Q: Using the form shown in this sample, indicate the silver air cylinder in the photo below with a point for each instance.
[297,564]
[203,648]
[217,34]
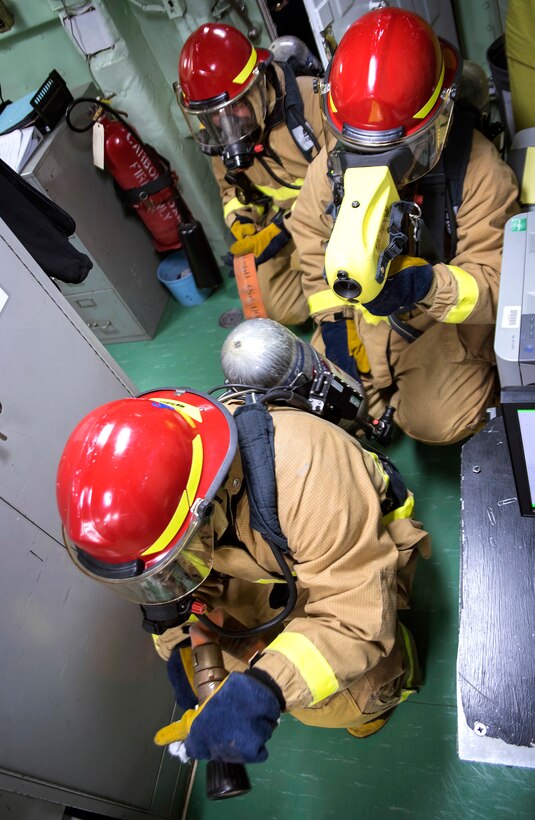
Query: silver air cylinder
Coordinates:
[263,353]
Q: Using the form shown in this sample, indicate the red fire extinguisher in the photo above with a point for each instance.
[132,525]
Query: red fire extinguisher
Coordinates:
[145,182]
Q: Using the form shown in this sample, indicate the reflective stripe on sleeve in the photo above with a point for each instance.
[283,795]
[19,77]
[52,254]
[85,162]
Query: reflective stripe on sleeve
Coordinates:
[308,660]
[235,205]
[379,465]
[370,318]
[231,206]
[467,296]
[281,194]
[405,511]
[324,300]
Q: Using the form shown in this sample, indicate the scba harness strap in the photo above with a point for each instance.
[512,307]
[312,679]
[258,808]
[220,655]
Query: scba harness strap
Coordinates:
[256,436]
[440,191]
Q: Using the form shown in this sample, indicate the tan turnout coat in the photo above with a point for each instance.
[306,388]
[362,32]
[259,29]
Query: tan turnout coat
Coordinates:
[339,658]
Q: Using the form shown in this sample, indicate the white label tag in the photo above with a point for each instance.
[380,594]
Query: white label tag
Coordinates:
[98,145]
[511,317]
[303,138]
[3,299]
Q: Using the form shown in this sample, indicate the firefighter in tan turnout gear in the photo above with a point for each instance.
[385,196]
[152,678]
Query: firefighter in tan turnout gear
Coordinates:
[169,500]
[263,126]
[412,201]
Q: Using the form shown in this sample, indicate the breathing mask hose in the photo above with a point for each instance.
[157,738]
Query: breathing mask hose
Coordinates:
[258,630]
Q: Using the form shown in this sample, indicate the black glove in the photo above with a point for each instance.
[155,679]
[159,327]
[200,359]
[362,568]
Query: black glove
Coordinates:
[404,289]
[233,724]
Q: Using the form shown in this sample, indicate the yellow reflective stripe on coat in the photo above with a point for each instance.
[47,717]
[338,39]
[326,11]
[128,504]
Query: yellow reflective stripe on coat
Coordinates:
[407,684]
[369,318]
[407,508]
[281,194]
[324,300]
[310,663]
[379,465]
[271,580]
[234,205]
[405,511]
[467,296]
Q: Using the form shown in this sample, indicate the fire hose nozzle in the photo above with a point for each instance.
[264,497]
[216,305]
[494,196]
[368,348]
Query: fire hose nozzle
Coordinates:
[222,779]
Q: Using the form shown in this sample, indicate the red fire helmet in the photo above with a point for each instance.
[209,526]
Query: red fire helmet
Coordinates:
[217,61]
[135,487]
[221,85]
[391,80]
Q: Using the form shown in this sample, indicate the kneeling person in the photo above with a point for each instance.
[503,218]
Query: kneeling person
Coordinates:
[172,497]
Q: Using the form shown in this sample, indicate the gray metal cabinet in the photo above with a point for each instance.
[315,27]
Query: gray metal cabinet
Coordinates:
[81,690]
[121,299]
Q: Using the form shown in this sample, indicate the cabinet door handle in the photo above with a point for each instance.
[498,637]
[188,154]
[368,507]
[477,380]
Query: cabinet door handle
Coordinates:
[2,437]
[100,325]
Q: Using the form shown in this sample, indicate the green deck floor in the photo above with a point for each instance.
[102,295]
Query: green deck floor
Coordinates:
[411,768]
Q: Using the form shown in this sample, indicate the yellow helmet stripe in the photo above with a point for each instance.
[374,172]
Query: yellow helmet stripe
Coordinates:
[247,69]
[187,411]
[424,111]
[331,101]
[179,516]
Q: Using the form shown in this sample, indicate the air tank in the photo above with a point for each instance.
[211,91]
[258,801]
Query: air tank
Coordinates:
[263,353]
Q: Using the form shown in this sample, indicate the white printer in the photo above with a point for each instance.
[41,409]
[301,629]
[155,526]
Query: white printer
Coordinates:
[514,342]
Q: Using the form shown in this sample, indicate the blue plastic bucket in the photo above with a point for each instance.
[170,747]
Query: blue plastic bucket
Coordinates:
[174,273]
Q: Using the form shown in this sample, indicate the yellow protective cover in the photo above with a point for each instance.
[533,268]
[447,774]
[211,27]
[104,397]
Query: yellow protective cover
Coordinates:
[360,233]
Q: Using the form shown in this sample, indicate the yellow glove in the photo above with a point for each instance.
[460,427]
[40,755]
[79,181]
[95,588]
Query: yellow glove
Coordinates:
[408,283]
[242,227]
[180,673]
[344,348]
[264,244]
[357,349]
[179,730]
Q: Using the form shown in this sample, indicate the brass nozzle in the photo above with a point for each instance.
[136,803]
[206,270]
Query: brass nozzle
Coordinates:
[208,669]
